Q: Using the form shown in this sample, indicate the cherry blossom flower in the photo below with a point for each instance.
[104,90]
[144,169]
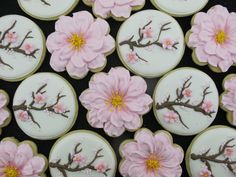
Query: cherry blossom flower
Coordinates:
[168,44]
[79,159]
[23,115]
[101,167]
[132,57]
[11,37]
[171,117]
[229,152]
[28,48]
[59,108]
[187,93]
[147,32]
[40,98]
[207,106]
[205,172]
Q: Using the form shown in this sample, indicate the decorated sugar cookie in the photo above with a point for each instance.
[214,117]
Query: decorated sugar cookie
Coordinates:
[228,98]
[150,43]
[116,101]
[47,9]
[82,153]
[179,8]
[212,153]
[119,10]
[21,47]
[190,103]
[21,159]
[151,155]
[45,106]
[5,115]
[212,38]
[80,44]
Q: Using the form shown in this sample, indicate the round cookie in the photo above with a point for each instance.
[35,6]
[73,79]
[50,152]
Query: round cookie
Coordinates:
[22,47]
[179,8]
[84,154]
[212,153]
[47,9]
[45,106]
[190,103]
[150,43]
[5,114]
[228,98]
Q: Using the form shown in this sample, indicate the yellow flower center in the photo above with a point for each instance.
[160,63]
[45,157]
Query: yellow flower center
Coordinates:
[11,171]
[77,41]
[206,175]
[152,163]
[220,37]
[116,100]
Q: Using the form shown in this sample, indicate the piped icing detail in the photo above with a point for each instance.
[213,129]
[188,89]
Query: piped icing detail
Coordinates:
[213,37]
[116,101]
[80,44]
[151,155]
[5,115]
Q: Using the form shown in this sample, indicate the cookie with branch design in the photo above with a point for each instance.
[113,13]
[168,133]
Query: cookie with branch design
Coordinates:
[21,44]
[42,106]
[215,158]
[47,9]
[85,154]
[192,94]
[150,43]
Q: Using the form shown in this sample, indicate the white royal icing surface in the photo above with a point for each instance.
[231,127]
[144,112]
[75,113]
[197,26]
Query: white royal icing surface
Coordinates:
[49,122]
[159,59]
[212,139]
[193,121]
[46,9]
[90,143]
[15,65]
[180,7]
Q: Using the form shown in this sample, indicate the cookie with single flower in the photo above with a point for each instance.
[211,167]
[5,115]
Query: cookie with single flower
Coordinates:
[228,98]
[150,155]
[5,114]
[212,38]
[82,153]
[116,101]
[190,105]
[22,47]
[80,44]
[45,106]
[212,153]
[21,159]
[47,9]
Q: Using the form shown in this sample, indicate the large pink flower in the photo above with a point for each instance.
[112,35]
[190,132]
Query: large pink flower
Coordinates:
[116,101]
[4,114]
[116,8]
[151,155]
[213,37]
[79,44]
[19,161]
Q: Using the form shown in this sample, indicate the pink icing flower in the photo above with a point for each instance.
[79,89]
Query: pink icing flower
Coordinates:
[171,117]
[79,44]
[11,37]
[205,172]
[187,93]
[116,8]
[59,108]
[19,161]
[213,36]
[79,159]
[207,106]
[168,44]
[116,101]
[23,116]
[132,57]
[229,152]
[151,156]
[101,167]
[28,48]
[4,114]
[40,98]
[147,32]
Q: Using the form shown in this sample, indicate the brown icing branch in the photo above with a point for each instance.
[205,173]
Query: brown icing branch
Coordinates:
[179,101]
[139,42]
[205,158]
[17,49]
[45,107]
[69,167]
[45,2]
[5,64]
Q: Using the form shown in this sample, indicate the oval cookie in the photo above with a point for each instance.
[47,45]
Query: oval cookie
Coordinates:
[186,101]
[22,47]
[45,106]
[150,43]
[84,154]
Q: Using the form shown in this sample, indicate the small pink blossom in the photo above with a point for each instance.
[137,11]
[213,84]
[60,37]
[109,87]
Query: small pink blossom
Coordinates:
[147,32]
[79,159]
[229,152]
[11,37]
[40,98]
[59,108]
[23,116]
[28,48]
[187,93]
[171,117]
[101,167]
[205,172]
[207,106]
[132,57]
[168,44]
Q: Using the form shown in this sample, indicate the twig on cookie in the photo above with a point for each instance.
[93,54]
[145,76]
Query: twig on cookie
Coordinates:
[45,2]
[5,64]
